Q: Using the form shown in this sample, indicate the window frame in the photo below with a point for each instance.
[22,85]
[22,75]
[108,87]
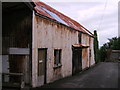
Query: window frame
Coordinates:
[57,58]
[79,37]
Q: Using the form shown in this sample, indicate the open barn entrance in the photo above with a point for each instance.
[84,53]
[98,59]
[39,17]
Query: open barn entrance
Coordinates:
[17,43]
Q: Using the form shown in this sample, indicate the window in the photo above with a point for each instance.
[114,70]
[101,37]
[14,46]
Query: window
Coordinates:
[90,53]
[57,58]
[79,37]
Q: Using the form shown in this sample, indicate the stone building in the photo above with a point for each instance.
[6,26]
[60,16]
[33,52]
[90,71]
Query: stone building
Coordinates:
[41,45]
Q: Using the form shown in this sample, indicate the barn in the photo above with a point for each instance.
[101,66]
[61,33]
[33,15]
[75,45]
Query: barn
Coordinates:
[41,45]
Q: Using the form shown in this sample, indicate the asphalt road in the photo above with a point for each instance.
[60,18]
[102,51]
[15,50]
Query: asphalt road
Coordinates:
[102,75]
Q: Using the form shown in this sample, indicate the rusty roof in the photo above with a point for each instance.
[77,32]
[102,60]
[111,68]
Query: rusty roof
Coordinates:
[46,10]
[80,45]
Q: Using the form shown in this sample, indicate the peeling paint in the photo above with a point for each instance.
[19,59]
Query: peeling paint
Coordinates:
[51,35]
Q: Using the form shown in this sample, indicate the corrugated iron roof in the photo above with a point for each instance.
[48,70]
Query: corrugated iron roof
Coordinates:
[46,10]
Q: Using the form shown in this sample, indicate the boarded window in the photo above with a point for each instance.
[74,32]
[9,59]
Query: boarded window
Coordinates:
[57,56]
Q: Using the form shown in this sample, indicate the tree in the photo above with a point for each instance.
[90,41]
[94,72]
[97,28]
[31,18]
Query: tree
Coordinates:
[113,44]
[96,47]
[102,53]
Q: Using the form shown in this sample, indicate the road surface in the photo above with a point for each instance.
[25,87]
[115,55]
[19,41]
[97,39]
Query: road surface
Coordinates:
[102,75]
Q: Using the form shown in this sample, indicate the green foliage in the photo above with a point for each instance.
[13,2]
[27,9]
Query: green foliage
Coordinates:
[113,44]
[96,47]
[102,53]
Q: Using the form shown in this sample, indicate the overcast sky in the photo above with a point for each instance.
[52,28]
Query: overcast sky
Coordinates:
[100,15]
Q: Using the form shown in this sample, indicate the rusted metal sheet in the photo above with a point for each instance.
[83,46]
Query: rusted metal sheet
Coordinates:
[80,45]
[44,9]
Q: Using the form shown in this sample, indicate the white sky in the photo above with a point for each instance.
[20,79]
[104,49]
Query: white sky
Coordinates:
[100,15]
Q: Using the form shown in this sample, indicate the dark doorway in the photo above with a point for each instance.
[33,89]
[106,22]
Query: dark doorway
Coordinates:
[42,58]
[76,60]
[19,64]
[16,44]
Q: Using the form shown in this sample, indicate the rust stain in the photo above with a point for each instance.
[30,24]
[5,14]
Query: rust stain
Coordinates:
[53,24]
[85,56]
[84,53]
[57,73]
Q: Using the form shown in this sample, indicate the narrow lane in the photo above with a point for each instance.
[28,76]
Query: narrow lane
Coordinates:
[103,75]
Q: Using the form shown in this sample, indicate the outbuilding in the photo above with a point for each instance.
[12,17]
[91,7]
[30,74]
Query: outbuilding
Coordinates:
[41,45]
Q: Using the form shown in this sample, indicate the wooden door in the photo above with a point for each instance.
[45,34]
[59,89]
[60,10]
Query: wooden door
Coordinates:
[42,54]
[77,60]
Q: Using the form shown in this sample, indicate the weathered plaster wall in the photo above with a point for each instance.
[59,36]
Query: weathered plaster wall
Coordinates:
[47,34]
[92,60]
[87,59]
[85,55]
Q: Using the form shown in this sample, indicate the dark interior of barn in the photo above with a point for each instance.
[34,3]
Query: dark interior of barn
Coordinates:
[16,42]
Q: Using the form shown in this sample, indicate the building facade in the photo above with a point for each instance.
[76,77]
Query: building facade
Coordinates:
[46,45]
